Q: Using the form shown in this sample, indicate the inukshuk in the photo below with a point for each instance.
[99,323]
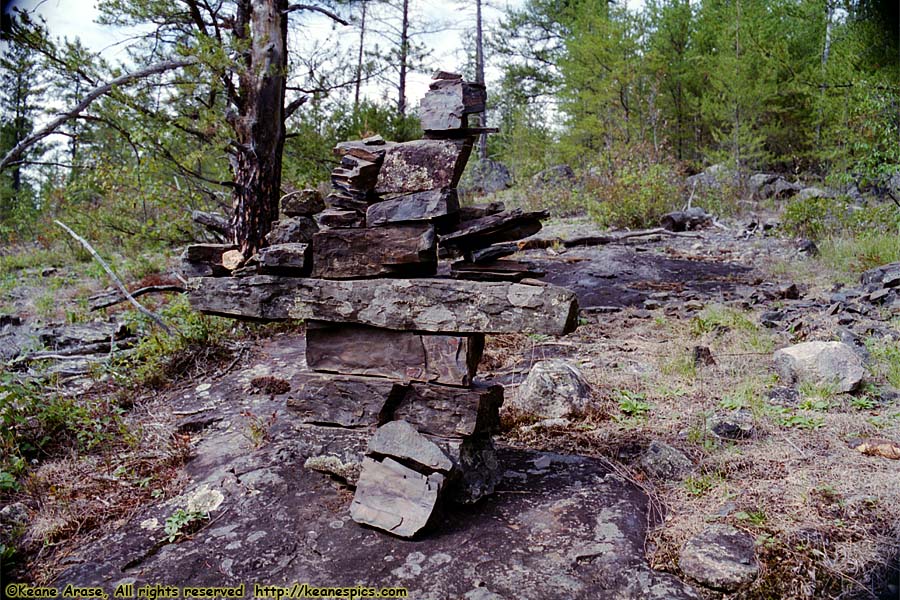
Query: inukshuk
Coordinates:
[393,334]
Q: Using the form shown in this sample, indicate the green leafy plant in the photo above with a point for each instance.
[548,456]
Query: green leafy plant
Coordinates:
[180,522]
[754,517]
[698,486]
[633,403]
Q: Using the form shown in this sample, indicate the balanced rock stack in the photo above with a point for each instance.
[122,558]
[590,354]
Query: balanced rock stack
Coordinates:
[394,335]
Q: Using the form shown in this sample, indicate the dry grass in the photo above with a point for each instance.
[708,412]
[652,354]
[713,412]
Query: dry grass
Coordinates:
[72,495]
[825,517]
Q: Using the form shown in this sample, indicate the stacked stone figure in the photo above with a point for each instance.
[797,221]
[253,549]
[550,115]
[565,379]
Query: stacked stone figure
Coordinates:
[394,335]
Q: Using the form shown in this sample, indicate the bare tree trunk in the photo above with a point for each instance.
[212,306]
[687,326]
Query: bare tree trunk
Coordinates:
[404,52]
[479,77]
[359,59]
[259,127]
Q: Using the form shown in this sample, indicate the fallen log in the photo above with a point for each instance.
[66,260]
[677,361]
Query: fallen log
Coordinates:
[213,221]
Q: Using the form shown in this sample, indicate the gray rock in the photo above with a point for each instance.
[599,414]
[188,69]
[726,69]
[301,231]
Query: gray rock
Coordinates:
[758,181]
[884,276]
[574,528]
[554,388]
[302,203]
[401,440]
[293,230]
[395,498]
[812,192]
[821,363]
[662,461]
[720,557]
[712,177]
[490,176]
[555,176]
[13,520]
[737,425]
[783,189]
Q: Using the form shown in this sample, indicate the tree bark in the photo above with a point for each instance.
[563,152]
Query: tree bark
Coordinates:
[259,128]
[479,78]
[404,52]
[359,58]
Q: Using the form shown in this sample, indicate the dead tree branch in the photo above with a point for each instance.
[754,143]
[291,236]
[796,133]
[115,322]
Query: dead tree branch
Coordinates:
[95,93]
[115,278]
[318,9]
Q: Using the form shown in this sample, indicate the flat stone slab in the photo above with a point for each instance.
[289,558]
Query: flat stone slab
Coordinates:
[394,498]
[344,400]
[434,305]
[402,355]
[451,412]
[419,206]
[396,250]
[422,165]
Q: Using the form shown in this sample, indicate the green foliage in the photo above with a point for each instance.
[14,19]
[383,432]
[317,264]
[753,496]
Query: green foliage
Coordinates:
[787,418]
[753,517]
[181,521]
[35,420]
[633,404]
[715,317]
[635,195]
[159,357]
[886,358]
[699,486]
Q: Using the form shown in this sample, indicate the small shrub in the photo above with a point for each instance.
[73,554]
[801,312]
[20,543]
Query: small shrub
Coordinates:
[698,486]
[181,522]
[886,357]
[633,403]
[635,195]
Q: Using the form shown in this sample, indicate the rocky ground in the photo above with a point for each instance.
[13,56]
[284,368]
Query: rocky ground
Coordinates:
[660,451]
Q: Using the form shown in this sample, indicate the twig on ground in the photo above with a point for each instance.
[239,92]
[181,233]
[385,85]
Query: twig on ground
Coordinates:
[115,279]
[150,289]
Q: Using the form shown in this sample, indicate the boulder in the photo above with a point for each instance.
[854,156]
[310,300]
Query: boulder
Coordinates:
[490,176]
[758,182]
[555,176]
[737,425]
[712,177]
[554,388]
[812,192]
[783,189]
[821,363]
[663,461]
[682,220]
[720,557]
[884,276]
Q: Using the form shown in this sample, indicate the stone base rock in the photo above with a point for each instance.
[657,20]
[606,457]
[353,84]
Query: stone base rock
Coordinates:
[567,528]
[553,389]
